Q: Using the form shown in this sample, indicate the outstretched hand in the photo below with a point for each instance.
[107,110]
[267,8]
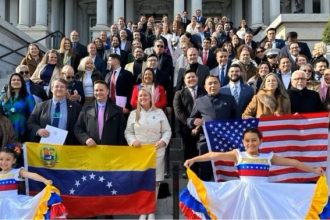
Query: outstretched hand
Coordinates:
[188,163]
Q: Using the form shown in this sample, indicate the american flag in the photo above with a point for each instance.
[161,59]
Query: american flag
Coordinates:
[303,137]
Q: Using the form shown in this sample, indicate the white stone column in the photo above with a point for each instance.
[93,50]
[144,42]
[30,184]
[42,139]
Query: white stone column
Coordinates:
[274,9]
[3,9]
[13,12]
[130,10]
[68,17]
[101,12]
[195,4]
[178,7]
[256,13]
[41,12]
[308,6]
[238,12]
[118,10]
[24,13]
[325,6]
[55,14]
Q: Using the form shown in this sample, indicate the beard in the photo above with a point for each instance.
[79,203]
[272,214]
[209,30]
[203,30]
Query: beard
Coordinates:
[238,78]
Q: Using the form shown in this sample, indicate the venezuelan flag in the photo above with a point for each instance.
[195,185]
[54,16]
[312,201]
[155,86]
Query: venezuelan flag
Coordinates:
[100,180]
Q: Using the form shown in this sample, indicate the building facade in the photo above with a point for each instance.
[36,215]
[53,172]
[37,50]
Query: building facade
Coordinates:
[39,17]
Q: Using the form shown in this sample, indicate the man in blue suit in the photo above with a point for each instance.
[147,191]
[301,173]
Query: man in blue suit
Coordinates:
[276,43]
[213,106]
[241,92]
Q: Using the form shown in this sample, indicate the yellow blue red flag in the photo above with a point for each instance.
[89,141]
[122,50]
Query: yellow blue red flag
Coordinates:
[100,180]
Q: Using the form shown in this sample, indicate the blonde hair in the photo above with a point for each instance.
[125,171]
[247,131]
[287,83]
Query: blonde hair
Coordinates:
[138,108]
[82,64]
[320,47]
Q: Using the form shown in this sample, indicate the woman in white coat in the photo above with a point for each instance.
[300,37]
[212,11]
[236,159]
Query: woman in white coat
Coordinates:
[149,125]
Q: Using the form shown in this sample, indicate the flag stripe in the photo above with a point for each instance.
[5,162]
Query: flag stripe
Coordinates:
[303,137]
[97,185]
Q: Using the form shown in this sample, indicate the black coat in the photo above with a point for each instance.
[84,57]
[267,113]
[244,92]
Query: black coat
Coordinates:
[305,101]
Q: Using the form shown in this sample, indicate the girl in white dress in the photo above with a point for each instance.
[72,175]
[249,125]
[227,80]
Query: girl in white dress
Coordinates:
[253,197]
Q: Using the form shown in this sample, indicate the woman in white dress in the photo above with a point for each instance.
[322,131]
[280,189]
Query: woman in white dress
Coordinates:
[253,197]
[149,125]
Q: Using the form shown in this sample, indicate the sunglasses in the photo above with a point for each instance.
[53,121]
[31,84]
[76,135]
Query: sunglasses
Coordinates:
[24,72]
[161,46]
[69,77]
[272,57]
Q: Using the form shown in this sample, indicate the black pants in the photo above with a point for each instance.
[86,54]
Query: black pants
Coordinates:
[205,168]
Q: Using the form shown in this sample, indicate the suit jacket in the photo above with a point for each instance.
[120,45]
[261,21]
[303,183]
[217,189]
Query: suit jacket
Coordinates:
[305,101]
[100,65]
[211,61]
[254,45]
[202,72]
[38,91]
[128,46]
[223,107]
[130,67]
[198,39]
[201,19]
[279,43]
[244,98]
[304,49]
[40,117]
[80,51]
[124,85]
[113,127]
[216,71]
[123,56]
[185,24]
[183,104]
[77,85]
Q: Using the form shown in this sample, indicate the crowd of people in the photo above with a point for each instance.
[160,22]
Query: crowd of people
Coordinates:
[147,81]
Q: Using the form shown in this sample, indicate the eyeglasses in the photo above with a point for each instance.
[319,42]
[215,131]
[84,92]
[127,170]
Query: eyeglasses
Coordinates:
[310,71]
[24,72]
[161,46]
[301,78]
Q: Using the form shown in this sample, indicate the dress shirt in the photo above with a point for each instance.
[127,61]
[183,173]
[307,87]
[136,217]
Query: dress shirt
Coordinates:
[63,115]
[286,79]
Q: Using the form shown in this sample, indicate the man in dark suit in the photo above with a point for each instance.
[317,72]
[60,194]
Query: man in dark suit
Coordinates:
[183,103]
[58,112]
[293,37]
[221,71]
[276,43]
[138,66]
[202,71]
[285,72]
[303,100]
[33,89]
[115,49]
[248,41]
[78,49]
[200,18]
[241,92]
[98,61]
[75,88]
[184,20]
[213,106]
[207,55]
[120,82]
[101,123]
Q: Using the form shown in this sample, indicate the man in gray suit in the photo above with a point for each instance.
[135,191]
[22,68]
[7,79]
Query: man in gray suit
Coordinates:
[213,106]
[221,71]
[241,92]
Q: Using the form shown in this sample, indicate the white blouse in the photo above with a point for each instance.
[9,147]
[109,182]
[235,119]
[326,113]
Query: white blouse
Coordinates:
[152,127]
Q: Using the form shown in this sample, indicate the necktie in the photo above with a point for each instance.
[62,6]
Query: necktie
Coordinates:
[222,76]
[194,93]
[113,86]
[204,57]
[235,93]
[100,119]
[57,115]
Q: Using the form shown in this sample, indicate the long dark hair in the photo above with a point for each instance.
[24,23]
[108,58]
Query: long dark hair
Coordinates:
[22,92]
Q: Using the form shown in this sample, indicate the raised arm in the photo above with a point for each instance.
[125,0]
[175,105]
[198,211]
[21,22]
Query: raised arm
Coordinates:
[34,176]
[231,156]
[281,161]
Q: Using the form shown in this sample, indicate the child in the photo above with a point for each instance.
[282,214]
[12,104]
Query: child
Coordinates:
[253,197]
[14,206]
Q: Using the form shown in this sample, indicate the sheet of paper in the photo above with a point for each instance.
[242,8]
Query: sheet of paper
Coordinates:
[56,136]
[121,101]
